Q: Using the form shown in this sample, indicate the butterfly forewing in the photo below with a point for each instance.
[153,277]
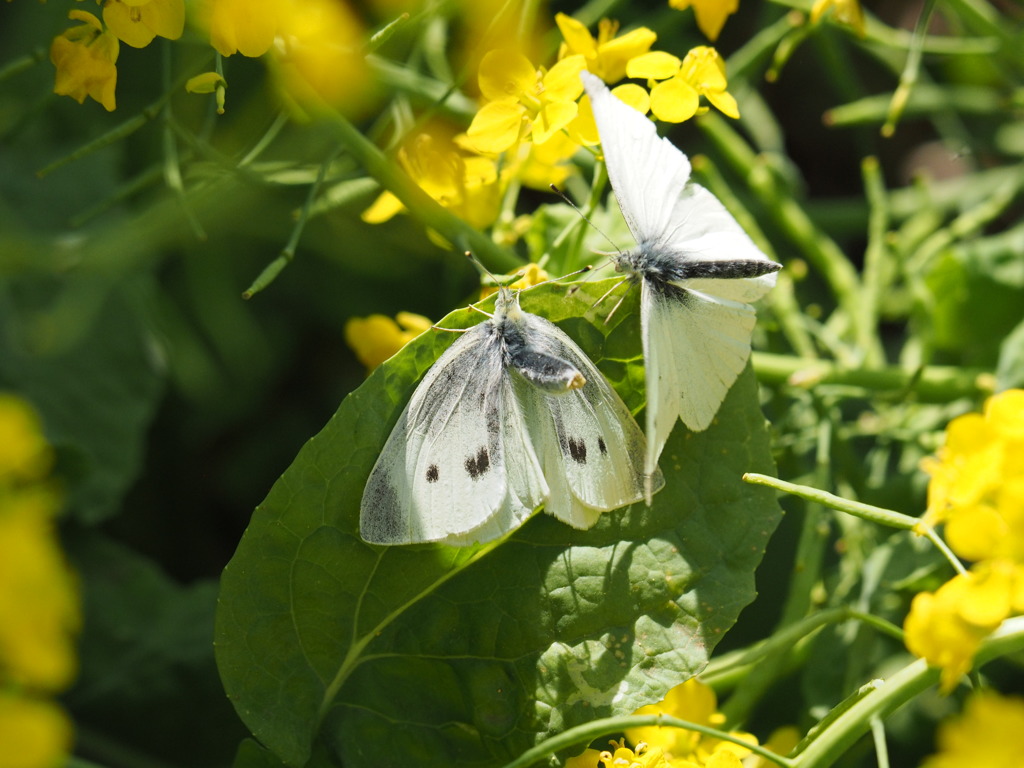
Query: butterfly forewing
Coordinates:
[648,177]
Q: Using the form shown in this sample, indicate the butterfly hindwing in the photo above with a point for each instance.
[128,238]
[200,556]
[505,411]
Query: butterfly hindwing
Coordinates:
[593,450]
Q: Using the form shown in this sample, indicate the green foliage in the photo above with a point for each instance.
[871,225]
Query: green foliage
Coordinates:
[473,655]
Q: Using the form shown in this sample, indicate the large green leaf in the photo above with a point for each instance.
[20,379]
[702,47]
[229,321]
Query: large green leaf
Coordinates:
[431,655]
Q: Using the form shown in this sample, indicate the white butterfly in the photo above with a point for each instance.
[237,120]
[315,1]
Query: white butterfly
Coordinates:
[513,415]
[697,268]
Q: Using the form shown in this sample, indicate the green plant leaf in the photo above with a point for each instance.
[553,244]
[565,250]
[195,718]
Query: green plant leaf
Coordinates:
[97,393]
[431,655]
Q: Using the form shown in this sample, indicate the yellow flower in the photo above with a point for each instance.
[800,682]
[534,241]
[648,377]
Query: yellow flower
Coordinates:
[947,626]
[137,22]
[695,702]
[529,276]
[977,481]
[466,184]
[677,97]
[989,733]
[523,100]
[24,453]
[319,55]
[606,56]
[84,57]
[33,733]
[711,14]
[38,598]
[243,26]
[542,165]
[209,82]
[638,757]
[846,12]
[583,130]
[376,338]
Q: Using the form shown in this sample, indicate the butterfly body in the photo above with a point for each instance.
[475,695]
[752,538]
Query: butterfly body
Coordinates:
[698,271]
[512,416]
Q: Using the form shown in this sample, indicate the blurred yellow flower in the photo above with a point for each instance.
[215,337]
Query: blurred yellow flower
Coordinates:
[545,164]
[85,58]
[33,733]
[695,702]
[846,12]
[376,338]
[38,600]
[466,184]
[39,606]
[677,97]
[606,56]
[946,627]
[24,452]
[988,734]
[523,100]
[319,55]
[530,275]
[711,14]
[137,22]
[247,27]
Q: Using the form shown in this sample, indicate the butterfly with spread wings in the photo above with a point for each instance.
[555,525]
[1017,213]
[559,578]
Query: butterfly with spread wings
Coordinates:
[698,271]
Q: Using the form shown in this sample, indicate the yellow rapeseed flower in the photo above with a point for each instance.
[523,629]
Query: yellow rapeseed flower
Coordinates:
[693,701]
[946,627]
[247,27]
[319,55]
[376,338]
[640,756]
[137,22]
[677,96]
[33,733]
[467,184]
[711,14]
[24,452]
[523,101]
[85,58]
[607,55]
[583,130]
[846,12]
[988,734]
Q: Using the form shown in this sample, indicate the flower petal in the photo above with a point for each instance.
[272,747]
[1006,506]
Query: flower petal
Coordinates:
[674,101]
[496,127]
[656,65]
[505,74]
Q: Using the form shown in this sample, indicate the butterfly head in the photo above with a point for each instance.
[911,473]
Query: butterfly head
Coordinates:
[507,303]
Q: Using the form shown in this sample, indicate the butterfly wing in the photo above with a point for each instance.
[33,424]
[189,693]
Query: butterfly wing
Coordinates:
[447,468]
[695,345]
[648,173]
[591,448]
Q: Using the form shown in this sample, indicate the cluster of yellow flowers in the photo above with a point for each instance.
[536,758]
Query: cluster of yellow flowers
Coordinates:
[977,491]
[316,45]
[660,747]
[39,606]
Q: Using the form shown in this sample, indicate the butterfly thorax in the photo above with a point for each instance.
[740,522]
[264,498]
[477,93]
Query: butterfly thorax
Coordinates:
[522,348]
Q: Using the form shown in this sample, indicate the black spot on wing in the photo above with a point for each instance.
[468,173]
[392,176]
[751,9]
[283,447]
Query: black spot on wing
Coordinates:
[477,465]
[601,446]
[578,450]
[432,473]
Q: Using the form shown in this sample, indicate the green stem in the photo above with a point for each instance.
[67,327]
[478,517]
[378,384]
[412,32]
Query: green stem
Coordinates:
[910,71]
[934,384]
[22,63]
[869,512]
[587,732]
[875,258]
[461,235]
[928,532]
[887,695]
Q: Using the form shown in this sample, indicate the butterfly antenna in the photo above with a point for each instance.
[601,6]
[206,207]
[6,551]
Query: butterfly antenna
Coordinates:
[481,268]
[583,216]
